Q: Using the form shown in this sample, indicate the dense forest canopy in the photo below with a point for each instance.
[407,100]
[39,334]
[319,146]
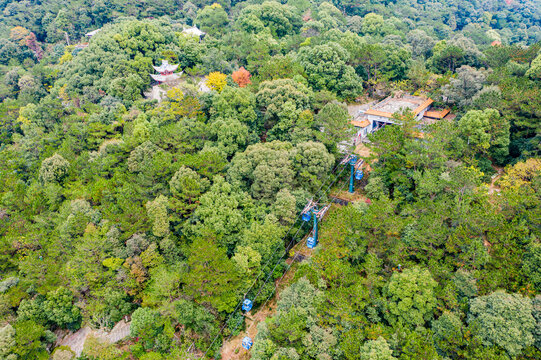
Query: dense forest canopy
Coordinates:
[136,215]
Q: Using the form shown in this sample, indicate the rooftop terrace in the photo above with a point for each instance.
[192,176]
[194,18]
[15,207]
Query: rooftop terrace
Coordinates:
[392,105]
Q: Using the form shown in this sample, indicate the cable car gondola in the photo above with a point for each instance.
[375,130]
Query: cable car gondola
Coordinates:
[311,242]
[247,305]
[247,343]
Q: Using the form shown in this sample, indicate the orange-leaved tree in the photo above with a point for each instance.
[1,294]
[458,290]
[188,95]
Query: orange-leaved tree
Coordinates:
[18,34]
[242,77]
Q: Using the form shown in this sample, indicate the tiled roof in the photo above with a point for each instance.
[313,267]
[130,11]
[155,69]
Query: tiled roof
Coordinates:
[437,114]
[379,113]
[165,67]
[423,106]
[361,124]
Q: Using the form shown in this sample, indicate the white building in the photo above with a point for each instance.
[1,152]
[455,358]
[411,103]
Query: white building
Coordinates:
[380,114]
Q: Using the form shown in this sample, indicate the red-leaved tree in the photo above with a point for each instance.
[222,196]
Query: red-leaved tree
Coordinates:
[33,45]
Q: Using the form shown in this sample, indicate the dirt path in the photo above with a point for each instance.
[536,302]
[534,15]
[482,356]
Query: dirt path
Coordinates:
[232,349]
[493,188]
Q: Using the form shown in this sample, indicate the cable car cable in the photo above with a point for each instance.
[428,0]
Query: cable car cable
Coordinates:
[287,269]
[298,217]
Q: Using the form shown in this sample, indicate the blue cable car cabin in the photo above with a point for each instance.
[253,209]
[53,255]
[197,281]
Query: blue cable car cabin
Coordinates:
[247,343]
[311,242]
[307,216]
[359,174]
[247,305]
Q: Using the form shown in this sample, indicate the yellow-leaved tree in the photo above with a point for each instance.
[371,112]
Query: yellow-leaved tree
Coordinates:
[520,174]
[177,105]
[216,81]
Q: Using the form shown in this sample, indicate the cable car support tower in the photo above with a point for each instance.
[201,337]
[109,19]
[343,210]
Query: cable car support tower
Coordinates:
[356,171]
[312,212]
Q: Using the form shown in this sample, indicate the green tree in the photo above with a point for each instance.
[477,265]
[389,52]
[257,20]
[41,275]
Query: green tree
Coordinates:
[141,157]
[312,162]
[235,103]
[221,213]
[284,208]
[531,265]
[446,57]
[372,24]
[376,350]
[417,344]
[486,131]
[98,349]
[475,125]
[151,166]
[536,313]
[60,309]
[421,44]
[77,216]
[194,317]
[269,17]
[503,320]
[108,306]
[53,169]
[186,186]
[7,342]
[330,16]
[326,68]
[279,67]
[221,289]
[282,101]
[157,212]
[334,119]
[294,323]
[534,72]
[212,19]
[62,354]
[266,238]
[143,322]
[32,309]
[449,334]
[263,169]
[247,260]
[30,340]
[462,88]
[411,296]
[151,329]
[229,135]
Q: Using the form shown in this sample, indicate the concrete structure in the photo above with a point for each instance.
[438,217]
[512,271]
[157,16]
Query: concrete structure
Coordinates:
[375,115]
[92,33]
[76,340]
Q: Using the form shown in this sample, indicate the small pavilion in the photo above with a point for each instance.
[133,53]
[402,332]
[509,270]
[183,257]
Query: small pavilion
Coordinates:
[166,72]
[195,32]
